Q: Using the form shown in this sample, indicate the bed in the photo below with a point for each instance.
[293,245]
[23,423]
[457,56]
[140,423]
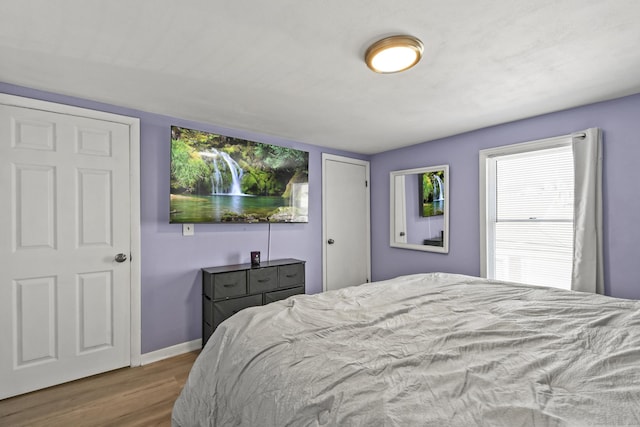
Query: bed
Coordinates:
[422,350]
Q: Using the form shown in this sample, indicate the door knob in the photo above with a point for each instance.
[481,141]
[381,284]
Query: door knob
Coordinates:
[121,257]
[331,241]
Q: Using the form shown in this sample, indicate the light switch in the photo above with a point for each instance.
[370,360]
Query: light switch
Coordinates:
[187,229]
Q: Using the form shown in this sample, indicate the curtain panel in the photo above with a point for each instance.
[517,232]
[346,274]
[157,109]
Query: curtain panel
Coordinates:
[587,273]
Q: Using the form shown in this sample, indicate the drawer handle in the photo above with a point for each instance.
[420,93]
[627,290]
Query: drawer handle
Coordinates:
[291,275]
[229,285]
[263,280]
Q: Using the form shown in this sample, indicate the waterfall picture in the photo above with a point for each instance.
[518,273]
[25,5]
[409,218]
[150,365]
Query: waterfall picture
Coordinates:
[217,178]
[432,193]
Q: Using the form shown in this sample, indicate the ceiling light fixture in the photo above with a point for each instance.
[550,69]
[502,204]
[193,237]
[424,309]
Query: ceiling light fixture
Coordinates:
[394,54]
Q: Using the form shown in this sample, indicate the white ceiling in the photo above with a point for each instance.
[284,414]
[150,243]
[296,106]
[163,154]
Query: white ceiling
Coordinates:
[295,68]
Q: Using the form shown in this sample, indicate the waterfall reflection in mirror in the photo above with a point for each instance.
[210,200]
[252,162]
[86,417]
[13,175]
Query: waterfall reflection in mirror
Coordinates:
[419,209]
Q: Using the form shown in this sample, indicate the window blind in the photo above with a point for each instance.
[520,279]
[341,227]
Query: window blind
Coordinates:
[534,217]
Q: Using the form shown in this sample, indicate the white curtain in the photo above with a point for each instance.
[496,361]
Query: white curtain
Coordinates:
[587,274]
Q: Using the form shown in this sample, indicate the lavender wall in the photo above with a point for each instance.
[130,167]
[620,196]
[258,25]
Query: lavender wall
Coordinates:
[620,121]
[171,263]
[171,279]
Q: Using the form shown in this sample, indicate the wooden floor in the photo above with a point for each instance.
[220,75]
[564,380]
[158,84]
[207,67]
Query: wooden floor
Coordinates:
[141,396]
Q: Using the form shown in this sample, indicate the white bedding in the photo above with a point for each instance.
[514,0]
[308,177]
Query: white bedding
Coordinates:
[422,350]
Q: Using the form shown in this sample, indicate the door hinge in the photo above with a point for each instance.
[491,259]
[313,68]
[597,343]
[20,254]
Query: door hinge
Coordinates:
[366,183]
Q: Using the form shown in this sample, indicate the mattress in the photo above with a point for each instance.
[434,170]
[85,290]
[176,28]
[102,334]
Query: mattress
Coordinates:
[422,350]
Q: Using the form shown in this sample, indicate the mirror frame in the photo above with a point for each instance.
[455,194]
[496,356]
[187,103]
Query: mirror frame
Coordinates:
[392,203]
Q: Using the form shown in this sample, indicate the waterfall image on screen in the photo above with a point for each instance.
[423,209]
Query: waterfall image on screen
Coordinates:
[432,197]
[217,178]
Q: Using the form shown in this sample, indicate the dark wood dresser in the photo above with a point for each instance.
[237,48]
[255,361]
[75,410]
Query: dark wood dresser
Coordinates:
[230,288]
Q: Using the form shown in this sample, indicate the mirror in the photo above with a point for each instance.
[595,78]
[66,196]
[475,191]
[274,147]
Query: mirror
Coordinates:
[420,209]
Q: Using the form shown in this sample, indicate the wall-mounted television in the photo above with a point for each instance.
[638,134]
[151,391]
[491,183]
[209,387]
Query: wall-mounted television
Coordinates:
[222,179]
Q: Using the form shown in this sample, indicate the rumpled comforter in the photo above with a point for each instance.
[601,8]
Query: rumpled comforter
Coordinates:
[422,350]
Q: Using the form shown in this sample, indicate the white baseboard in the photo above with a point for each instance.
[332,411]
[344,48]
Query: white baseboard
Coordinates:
[174,350]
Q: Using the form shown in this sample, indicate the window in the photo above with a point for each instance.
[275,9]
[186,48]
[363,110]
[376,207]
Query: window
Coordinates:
[527,203]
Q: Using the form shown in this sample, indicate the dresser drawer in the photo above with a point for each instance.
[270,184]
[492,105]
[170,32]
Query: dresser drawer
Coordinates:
[283,294]
[225,285]
[291,275]
[207,311]
[207,331]
[263,279]
[222,310]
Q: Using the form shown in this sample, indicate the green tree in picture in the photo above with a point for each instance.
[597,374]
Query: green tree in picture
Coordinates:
[187,167]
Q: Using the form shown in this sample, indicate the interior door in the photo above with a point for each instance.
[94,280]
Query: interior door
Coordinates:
[346,223]
[65,217]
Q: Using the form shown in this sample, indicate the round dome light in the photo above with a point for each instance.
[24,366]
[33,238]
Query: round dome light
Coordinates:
[394,54]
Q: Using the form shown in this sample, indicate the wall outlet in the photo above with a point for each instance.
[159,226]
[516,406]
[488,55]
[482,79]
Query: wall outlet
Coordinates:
[187,230]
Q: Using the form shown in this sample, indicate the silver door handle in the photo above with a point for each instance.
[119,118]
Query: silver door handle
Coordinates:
[121,257]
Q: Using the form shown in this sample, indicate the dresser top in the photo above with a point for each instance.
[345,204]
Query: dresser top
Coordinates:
[247,266]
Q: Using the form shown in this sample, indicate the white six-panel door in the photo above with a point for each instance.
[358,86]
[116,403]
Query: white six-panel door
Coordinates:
[64,216]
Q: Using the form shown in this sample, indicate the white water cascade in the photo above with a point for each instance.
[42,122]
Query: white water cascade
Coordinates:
[438,195]
[222,161]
